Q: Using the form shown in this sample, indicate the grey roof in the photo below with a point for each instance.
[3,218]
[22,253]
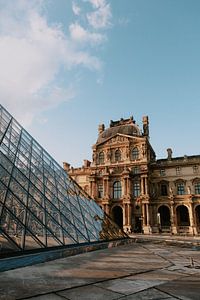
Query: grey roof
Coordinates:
[128,129]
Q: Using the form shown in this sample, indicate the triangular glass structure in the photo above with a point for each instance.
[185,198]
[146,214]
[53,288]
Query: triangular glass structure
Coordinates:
[40,205]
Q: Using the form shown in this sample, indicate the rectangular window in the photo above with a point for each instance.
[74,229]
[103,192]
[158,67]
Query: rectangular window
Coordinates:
[136,170]
[195,169]
[178,171]
[180,189]
[117,190]
[197,188]
[100,190]
[162,172]
[136,189]
[164,190]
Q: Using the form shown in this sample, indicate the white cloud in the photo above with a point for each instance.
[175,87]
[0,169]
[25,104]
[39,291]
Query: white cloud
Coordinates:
[32,54]
[79,34]
[101,17]
[97,3]
[76,9]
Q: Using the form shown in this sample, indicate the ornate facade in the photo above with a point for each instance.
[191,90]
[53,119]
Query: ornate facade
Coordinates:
[140,193]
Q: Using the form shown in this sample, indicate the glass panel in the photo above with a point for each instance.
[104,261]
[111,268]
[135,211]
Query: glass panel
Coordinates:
[5,176]
[13,228]
[40,205]
[36,229]
[30,243]
[5,162]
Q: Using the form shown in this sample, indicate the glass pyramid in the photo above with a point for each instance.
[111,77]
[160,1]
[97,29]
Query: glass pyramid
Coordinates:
[40,205]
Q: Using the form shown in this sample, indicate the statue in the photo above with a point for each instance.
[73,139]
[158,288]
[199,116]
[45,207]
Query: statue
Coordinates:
[108,155]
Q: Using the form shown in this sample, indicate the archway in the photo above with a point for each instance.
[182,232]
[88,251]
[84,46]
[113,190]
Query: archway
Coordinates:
[197,213]
[164,216]
[118,216]
[182,216]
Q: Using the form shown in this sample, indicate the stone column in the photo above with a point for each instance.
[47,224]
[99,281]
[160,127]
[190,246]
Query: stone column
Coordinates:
[147,213]
[127,217]
[128,214]
[142,186]
[143,215]
[129,191]
[125,185]
[106,187]
[192,229]
[92,187]
[146,184]
[173,219]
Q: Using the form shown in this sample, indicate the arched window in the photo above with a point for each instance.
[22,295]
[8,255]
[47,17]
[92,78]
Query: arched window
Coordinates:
[197,188]
[117,190]
[136,189]
[101,158]
[135,153]
[117,155]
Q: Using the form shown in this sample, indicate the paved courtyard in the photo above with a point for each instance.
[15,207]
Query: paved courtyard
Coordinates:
[149,270]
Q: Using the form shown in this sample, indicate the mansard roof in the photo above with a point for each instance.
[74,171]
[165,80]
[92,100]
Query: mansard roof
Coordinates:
[179,160]
[126,127]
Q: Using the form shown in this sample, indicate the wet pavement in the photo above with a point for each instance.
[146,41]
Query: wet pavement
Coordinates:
[142,270]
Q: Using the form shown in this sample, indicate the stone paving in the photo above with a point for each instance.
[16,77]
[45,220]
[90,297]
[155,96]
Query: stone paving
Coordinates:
[148,270]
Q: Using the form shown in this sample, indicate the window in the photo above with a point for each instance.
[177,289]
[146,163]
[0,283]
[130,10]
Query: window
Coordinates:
[197,188]
[101,158]
[136,170]
[117,190]
[136,189]
[163,189]
[117,155]
[162,172]
[100,190]
[180,188]
[178,171]
[135,153]
[195,169]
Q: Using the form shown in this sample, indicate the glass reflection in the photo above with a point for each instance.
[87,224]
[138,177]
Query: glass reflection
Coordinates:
[40,205]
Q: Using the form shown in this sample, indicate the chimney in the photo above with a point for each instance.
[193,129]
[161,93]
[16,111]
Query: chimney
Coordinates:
[169,153]
[66,166]
[101,128]
[145,121]
[86,163]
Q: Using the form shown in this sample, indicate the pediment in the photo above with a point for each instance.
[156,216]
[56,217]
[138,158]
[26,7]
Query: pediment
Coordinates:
[120,138]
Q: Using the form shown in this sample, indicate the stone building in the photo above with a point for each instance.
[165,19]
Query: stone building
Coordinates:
[140,193]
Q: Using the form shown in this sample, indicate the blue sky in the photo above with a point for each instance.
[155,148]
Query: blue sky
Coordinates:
[69,65]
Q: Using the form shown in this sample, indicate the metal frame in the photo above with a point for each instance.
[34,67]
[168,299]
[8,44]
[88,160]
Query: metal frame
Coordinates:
[40,205]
